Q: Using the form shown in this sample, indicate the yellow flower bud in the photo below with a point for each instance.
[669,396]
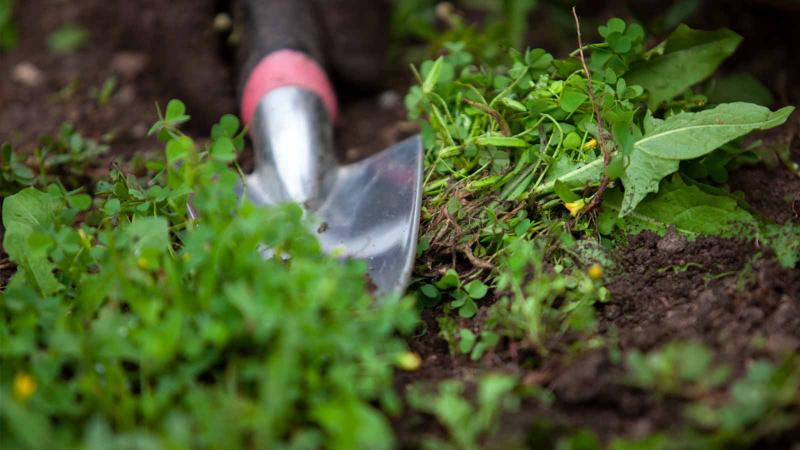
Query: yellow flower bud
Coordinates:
[575,207]
[143,263]
[24,386]
[596,271]
[591,144]
[409,361]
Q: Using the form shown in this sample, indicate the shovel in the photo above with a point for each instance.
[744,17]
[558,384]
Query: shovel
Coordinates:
[367,210]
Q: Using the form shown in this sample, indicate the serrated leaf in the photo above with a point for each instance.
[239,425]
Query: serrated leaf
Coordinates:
[24,214]
[688,136]
[690,209]
[689,56]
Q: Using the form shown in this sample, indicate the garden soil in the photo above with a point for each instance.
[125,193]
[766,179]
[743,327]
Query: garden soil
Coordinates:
[727,293]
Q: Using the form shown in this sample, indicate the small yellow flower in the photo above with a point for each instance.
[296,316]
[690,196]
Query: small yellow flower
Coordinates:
[575,207]
[24,386]
[409,361]
[596,271]
[143,263]
[591,144]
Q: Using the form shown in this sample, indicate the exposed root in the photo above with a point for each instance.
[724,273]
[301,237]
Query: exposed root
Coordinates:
[505,130]
[474,260]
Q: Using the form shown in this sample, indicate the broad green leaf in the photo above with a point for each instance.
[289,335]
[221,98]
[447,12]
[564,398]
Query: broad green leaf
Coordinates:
[690,209]
[689,56]
[25,215]
[688,136]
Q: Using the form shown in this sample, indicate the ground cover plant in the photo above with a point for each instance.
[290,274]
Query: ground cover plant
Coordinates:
[588,274]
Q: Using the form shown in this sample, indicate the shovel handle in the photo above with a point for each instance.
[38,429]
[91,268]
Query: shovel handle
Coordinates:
[283,47]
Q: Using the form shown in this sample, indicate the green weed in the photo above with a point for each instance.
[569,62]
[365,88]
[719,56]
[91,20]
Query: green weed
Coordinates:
[130,324]
[466,422]
[678,368]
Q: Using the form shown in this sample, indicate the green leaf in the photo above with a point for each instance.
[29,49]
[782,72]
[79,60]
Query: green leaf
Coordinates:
[564,193]
[223,149]
[687,136]
[571,100]
[68,38]
[449,280]
[689,56]
[178,149]
[468,309]
[513,104]
[81,202]
[476,289]
[433,76]
[429,291]
[501,141]
[175,110]
[691,210]
[26,215]
[466,341]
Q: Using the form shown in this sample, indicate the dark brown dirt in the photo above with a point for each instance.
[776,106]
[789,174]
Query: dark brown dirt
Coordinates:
[161,50]
[717,291]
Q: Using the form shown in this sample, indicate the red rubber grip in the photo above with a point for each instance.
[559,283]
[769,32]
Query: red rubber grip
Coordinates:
[287,68]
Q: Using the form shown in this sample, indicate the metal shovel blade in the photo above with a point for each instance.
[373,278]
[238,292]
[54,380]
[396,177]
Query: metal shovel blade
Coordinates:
[368,210]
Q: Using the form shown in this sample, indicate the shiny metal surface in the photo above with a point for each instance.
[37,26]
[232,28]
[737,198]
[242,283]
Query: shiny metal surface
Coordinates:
[293,139]
[367,210]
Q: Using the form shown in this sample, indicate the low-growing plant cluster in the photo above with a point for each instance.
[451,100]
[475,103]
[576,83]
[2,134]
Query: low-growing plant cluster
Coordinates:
[532,139]
[612,140]
[130,324]
[519,150]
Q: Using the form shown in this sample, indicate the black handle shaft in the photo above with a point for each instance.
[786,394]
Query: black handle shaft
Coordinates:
[272,25]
